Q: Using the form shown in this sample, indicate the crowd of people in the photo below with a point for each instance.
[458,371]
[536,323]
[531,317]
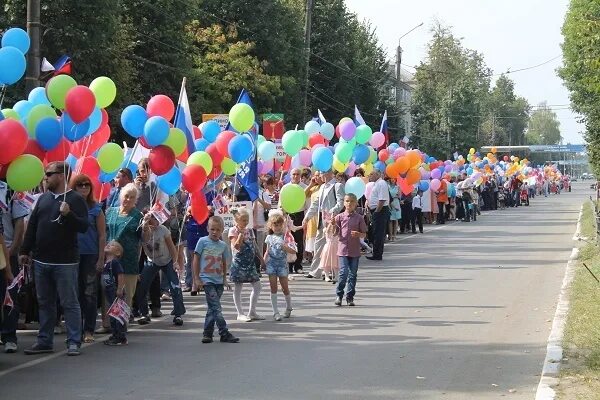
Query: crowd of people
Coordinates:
[81,254]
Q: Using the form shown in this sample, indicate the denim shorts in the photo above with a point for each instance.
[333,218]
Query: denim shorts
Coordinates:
[277,267]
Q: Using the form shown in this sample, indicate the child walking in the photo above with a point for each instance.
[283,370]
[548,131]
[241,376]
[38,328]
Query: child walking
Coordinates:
[243,269]
[211,257]
[161,255]
[329,258]
[351,228]
[417,216]
[113,283]
[276,261]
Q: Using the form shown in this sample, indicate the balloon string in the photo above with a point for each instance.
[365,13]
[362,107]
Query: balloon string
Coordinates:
[2,93]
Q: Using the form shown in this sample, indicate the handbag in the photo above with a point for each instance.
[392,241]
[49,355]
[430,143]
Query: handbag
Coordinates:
[289,239]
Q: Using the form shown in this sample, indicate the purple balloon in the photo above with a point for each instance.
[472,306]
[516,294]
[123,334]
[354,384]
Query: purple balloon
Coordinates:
[425,175]
[347,130]
[436,174]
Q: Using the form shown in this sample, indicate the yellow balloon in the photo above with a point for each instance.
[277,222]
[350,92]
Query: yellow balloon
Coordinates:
[338,165]
[228,166]
[368,168]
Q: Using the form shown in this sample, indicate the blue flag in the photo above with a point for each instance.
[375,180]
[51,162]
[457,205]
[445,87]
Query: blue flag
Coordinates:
[183,119]
[247,174]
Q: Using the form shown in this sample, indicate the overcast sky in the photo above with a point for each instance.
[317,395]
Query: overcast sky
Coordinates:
[511,34]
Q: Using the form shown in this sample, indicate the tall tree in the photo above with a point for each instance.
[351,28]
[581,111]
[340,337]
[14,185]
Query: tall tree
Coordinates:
[544,127]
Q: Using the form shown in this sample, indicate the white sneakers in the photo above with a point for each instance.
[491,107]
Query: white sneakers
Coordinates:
[277,317]
[244,318]
[287,313]
[10,347]
[255,317]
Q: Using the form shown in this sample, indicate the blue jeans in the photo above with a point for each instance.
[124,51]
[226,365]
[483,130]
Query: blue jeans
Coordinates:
[348,272]
[214,314]
[189,279]
[117,328]
[88,291]
[52,280]
[147,276]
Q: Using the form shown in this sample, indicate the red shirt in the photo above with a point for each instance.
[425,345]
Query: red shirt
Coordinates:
[349,246]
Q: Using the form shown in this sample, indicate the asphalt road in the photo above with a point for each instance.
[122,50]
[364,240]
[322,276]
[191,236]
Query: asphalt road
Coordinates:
[460,312]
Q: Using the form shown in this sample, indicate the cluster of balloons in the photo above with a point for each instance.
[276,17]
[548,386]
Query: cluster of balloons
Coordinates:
[62,122]
[15,44]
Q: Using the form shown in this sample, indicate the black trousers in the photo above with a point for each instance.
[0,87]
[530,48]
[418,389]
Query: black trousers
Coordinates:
[154,292]
[297,219]
[417,219]
[407,215]
[441,217]
[380,224]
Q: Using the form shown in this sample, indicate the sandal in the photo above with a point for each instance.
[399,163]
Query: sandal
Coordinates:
[88,338]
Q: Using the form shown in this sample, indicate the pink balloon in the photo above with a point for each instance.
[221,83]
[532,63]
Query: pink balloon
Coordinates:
[161,106]
[377,140]
[266,166]
[399,152]
[435,184]
[351,169]
[80,103]
[424,173]
[305,157]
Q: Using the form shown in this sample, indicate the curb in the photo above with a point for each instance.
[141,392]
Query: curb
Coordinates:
[554,350]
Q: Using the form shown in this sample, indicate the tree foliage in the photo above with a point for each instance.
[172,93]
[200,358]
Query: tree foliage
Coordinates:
[544,127]
[581,69]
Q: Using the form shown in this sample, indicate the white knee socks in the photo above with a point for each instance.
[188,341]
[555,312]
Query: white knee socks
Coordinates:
[274,303]
[237,298]
[288,302]
[254,297]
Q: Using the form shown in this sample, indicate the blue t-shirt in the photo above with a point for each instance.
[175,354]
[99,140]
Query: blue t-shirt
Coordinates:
[211,254]
[88,241]
[276,250]
[111,272]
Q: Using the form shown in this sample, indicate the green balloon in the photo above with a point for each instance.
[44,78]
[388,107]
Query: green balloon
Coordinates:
[37,114]
[372,156]
[343,152]
[363,134]
[176,141]
[228,166]
[351,141]
[292,198]
[110,157]
[57,88]
[241,117]
[304,135]
[25,173]
[259,140]
[292,142]
[9,113]
[202,159]
[104,90]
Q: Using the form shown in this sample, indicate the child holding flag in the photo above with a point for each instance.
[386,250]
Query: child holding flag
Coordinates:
[113,282]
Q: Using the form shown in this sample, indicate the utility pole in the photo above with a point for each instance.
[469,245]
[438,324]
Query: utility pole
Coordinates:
[307,33]
[400,106]
[33,55]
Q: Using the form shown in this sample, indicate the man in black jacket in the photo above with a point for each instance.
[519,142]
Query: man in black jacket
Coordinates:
[51,240]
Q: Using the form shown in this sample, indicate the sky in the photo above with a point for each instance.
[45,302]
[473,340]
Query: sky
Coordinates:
[511,34]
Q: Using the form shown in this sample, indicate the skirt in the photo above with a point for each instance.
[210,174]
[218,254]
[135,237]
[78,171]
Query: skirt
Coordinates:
[329,258]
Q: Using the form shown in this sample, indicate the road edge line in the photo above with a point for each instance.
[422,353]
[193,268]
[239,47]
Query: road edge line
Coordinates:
[554,349]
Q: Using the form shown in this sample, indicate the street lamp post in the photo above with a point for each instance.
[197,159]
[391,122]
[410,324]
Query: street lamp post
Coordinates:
[399,69]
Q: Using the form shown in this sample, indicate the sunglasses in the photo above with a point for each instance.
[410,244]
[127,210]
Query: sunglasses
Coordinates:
[50,173]
[84,185]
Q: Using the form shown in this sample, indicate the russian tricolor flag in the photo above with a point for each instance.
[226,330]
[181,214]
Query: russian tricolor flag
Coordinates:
[384,128]
[183,118]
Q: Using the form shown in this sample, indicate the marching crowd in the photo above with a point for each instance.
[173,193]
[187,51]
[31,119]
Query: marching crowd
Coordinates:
[73,255]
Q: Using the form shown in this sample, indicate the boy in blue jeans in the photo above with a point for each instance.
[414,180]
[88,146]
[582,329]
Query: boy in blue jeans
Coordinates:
[210,271]
[351,229]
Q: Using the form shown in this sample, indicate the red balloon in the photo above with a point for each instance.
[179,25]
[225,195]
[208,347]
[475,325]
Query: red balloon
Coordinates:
[193,178]
[13,139]
[101,190]
[215,173]
[199,207]
[161,159]
[222,143]
[143,142]
[3,169]
[183,156]
[104,117]
[197,132]
[34,148]
[316,140]
[337,132]
[161,106]
[90,144]
[80,103]
[60,152]
[214,153]
[384,154]
[88,166]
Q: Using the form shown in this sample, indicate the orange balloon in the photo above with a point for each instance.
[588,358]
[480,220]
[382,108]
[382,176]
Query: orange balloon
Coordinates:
[402,164]
[413,176]
[391,170]
[414,158]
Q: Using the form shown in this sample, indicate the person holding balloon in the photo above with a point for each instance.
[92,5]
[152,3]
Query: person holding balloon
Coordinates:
[91,255]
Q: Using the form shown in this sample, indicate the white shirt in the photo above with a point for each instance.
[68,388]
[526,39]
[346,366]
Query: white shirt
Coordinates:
[417,202]
[380,192]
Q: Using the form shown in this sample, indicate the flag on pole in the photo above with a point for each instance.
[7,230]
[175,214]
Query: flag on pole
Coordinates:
[62,66]
[247,174]
[358,119]
[384,128]
[183,118]
[321,120]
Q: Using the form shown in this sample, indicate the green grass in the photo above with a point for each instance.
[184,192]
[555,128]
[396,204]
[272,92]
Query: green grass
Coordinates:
[580,372]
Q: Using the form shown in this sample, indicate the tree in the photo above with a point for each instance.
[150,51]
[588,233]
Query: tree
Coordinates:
[544,127]
[581,70]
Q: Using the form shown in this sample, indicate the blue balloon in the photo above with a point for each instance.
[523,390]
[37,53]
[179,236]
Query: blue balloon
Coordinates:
[73,131]
[107,177]
[169,183]
[48,133]
[12,65]
[16,37]
[393,147]
[38,96]
[133,119]
[430,160]
[322,159]
[23,107]
[327,131]
[423,185]
[380,165]
[210,130]
[469,171]
[156,130]
[201,144]
[1,116]
[361,154]
[240,148]
[95,120]
[71,160]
